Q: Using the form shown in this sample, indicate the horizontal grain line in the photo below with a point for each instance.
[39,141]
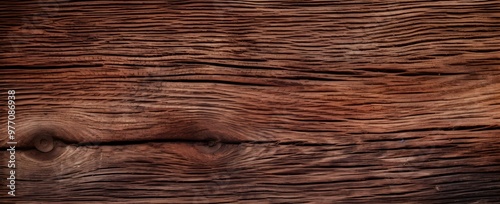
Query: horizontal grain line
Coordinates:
[5,68]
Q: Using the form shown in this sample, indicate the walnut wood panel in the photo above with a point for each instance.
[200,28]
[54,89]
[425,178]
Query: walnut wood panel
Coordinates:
[254,101]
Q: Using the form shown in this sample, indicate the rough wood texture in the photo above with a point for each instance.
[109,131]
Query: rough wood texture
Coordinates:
[254,101]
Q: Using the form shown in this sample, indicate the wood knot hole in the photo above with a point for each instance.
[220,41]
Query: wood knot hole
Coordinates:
[44,143]
[209,147]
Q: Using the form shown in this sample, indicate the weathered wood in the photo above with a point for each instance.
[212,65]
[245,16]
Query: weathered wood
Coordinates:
[180,172]
[254,101]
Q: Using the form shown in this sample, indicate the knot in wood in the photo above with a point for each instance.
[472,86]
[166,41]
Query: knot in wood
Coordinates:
[44,143]
[209,147]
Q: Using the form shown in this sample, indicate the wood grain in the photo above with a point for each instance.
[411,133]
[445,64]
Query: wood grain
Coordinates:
[254,101]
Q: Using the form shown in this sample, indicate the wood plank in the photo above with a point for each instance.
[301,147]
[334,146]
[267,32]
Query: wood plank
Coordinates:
[254,101]
[197,172]
[88,105]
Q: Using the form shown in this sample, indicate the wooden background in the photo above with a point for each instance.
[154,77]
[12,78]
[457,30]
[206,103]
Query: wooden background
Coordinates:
[256,101]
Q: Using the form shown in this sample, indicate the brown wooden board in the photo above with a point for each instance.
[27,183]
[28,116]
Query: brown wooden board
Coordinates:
[252,101]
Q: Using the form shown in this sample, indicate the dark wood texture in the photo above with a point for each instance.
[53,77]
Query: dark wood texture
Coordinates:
[254,101]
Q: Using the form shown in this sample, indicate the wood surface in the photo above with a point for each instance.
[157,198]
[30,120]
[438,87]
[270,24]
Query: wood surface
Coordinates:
[254,101]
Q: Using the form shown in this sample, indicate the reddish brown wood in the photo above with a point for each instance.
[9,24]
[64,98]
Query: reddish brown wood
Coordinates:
[253,101]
